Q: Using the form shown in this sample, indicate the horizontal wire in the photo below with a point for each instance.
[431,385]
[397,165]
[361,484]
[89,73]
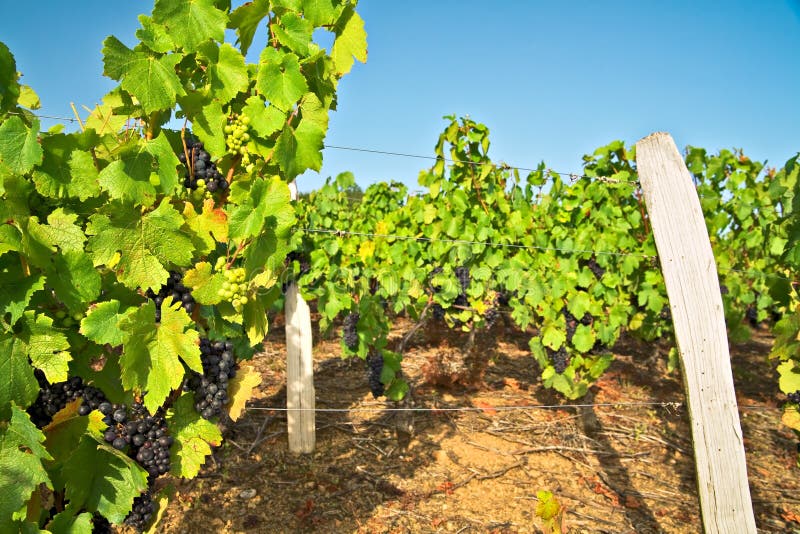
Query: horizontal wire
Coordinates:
[43,116]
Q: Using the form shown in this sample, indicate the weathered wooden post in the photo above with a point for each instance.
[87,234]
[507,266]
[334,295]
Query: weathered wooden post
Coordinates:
[300,401]
[690,273]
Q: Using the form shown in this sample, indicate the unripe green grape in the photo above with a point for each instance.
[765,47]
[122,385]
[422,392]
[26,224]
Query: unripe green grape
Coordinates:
[243,299]
[61,314]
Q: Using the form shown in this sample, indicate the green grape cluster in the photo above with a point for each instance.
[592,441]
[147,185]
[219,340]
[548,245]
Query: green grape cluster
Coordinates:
[233,288]
[68,320]
[237,137]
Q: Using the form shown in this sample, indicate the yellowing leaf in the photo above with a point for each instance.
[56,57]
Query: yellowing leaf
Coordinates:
[240,390]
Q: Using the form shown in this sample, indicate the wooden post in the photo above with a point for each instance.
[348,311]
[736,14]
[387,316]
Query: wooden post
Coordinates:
[690,273]
[300,401]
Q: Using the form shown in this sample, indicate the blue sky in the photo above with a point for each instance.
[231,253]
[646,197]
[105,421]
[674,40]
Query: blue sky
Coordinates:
[552,80]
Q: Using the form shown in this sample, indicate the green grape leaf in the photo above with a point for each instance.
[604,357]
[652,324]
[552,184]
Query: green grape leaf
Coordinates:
[553,336]
[789,377]
[397,390]
[66,522]
[151,356]
[128,178]
[318,12]
[101,323]
[205,285]
[245,20]
[227,74]
[9,86]
[210,227]
[66,171]
[583,339]
[579,304]
[294,32]
[16,291]
[351,41]
[255,321]
[190,23]
[62,231]
[266,203]
[151,80]
[65,432]
[21,468]
[19,148]
[19,385]
[46,347]
[102,479]
[208,125]
[299,149]
[279,78]
[74,279]
[193,435]
[154,36]
[144,243]
[265,120]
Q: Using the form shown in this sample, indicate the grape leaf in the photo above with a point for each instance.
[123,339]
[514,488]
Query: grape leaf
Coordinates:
[552,336]
[208,125]
[21,468]
[205,285]
[279,78]
[267,202]
[151,80]
[227,73]
[62,231]
[66,170]
[151,356]
[265,120]
[18,385]
[254,314]
[45,346]
[297,150]
[351,41]
[102,479]
[19,148]
[145,243]
[16,291]
[193,435]
[240,390]
[74,279]
[9,86]
[128,178]
[103,118]
[294,32]
[101,323]
[245,20]
[65,432]
[66,522]
[153,35]
[583,339]
[190,23]
[318,12]
[210,227]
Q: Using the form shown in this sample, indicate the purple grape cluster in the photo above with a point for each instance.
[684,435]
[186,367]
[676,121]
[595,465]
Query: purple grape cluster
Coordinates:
[175,288]
[142,512]
[350,330]
[201,172]
[54,397]
[560,358]
[211,388]
[142,435]
[374,370]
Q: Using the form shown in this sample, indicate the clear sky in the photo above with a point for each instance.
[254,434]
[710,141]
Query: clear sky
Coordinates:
[552,80]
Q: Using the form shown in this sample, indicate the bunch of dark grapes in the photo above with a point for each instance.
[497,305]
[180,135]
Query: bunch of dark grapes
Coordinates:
[438,311]
[178,291]
[374,370]
[304,263]
[54,397]
[593,266]
[665,314]
[572,322]
[211,388]
[350,330]
[143,435]
[462,273]
[201,172]
[751,314]
[493,313]
[142,511]
[100,525]
[794,397]
[559,357]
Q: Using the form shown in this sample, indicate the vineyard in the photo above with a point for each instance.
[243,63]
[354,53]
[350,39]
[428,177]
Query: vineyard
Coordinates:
[505,332]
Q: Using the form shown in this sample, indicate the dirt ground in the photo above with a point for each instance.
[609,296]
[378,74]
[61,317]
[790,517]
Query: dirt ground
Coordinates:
[614,469]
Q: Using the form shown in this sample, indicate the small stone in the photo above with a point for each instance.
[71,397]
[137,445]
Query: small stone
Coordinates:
[247,494]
